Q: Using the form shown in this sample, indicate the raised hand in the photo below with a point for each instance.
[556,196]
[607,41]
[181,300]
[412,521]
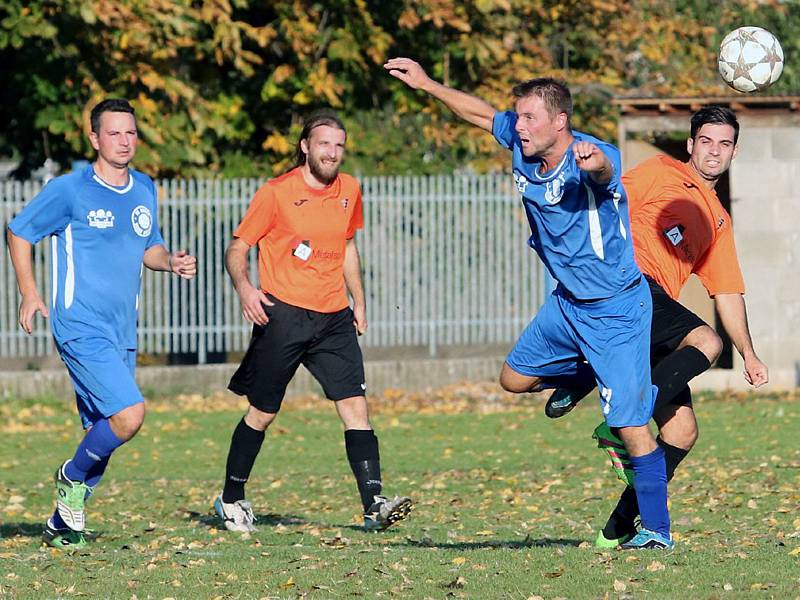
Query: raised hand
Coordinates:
[591,159]
[408,71]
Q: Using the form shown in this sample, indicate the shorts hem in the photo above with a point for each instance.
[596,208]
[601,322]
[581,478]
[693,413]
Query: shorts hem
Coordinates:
[339,397]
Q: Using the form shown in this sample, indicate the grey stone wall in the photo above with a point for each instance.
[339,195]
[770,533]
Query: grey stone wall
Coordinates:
[765,206]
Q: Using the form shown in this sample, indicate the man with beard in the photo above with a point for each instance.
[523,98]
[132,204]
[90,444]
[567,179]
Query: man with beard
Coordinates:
[104,227]
[304,223]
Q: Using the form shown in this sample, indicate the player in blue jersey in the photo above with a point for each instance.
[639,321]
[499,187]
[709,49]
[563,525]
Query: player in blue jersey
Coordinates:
[598,319]
[103,224]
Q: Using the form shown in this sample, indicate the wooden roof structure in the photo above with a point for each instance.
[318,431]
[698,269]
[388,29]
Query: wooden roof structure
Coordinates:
[649,115]
[741,104]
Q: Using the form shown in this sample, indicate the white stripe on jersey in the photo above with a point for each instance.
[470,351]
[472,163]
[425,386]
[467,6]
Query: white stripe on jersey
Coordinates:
[54,260]
[127,188]
[617,198]
[69,283]
[595,233]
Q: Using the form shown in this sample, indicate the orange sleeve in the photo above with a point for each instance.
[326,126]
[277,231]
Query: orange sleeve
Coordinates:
[719,269]
[638,182]
[357,218]
[260,216]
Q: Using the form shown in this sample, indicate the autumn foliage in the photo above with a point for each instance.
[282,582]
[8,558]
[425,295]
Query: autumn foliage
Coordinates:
[221,86]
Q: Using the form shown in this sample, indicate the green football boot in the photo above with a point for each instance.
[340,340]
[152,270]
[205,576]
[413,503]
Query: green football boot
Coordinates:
[620,459]
[603,542]
[70,498]
[65,539]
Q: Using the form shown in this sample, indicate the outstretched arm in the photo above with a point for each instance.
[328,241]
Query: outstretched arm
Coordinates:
[470,108]
[352,279]
[31,303]
[157,258]
[733,314]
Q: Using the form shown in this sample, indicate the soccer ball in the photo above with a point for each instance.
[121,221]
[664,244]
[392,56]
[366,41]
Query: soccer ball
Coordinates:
[750,59]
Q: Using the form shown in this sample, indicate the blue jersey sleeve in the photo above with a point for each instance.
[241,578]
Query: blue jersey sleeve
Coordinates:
[155,238]
[503,128]
[48,213]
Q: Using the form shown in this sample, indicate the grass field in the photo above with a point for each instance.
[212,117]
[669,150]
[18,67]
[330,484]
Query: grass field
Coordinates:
[507,503]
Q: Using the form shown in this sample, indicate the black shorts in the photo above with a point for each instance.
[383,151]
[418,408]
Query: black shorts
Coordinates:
[325,343]
[672,322]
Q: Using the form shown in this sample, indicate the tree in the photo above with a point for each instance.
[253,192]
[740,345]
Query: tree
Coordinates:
[221,86]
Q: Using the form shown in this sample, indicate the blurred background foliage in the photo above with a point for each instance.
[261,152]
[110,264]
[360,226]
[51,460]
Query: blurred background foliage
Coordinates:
[221,86]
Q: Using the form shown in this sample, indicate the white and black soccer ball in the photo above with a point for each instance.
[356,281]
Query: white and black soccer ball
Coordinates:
[750,59]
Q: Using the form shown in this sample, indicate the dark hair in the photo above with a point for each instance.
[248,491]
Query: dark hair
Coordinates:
[109,105]
[718,115]
[318,118]
[553,92]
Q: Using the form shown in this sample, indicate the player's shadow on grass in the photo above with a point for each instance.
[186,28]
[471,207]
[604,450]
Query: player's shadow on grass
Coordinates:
[265,520]
[32,530]
[528,542]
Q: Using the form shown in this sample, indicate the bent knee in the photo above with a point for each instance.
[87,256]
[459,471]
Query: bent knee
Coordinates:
[707,341]
[684,438]
[516,383]
[258,419]
[127,423]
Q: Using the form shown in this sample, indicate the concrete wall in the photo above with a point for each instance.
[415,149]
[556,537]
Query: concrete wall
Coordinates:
[408,374]
[765,202]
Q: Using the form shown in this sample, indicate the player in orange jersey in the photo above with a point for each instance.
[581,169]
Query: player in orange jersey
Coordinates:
[680,227]
[304,223]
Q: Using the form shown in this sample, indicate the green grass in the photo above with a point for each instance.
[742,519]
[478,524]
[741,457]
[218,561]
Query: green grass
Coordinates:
[507,502]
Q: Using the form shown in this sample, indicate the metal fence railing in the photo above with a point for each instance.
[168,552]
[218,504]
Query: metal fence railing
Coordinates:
[445,263]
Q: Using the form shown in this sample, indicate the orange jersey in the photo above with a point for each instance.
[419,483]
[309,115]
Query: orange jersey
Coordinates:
[301,234]
[679,227]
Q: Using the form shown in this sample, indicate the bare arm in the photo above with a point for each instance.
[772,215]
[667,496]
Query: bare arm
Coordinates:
[250,297]
[31,303]
[157,258]
[352,279]
[733,314]
[470,108]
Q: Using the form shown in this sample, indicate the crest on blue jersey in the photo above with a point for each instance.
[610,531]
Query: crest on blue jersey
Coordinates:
[521,181]
[142,221]
[554,189]
[100,218]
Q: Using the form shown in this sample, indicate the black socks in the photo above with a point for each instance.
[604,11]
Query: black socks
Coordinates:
[245,445]
[362,453]
[673,373]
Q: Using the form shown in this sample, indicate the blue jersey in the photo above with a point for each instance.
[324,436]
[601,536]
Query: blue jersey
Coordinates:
[99,234]
[579,228]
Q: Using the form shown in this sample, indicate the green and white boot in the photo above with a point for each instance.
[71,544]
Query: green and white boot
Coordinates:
[620,459]
[70,498]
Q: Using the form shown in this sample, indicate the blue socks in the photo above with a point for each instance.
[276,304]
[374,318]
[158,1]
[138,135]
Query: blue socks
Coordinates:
[90,460]
[651,490]
[94,450]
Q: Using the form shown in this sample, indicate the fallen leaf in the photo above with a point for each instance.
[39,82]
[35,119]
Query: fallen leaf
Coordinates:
[656,566]
[457,583]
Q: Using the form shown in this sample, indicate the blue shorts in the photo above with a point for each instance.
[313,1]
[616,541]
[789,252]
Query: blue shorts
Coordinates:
[103,377]
[611,335]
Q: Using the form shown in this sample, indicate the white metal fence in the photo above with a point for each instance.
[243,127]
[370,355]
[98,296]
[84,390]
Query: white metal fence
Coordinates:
[445,263]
